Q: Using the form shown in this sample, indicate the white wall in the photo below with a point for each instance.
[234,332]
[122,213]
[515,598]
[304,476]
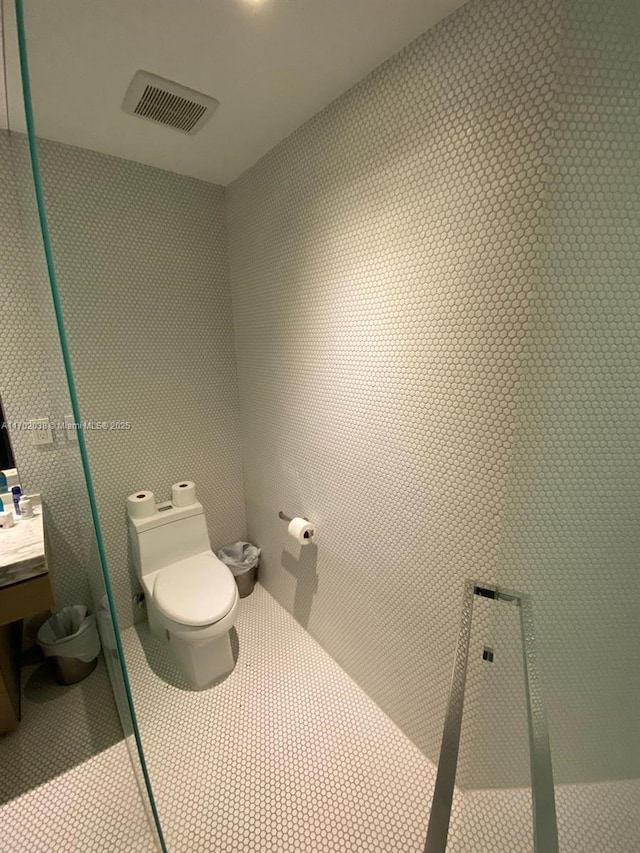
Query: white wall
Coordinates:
[140,257]
[141,263]
[391,264]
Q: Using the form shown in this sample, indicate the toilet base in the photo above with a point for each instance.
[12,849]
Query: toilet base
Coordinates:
[203,663]
[202,658]
[157,628]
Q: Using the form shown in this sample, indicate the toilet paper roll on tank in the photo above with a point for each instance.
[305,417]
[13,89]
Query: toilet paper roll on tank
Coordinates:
[183,493]
[141,505]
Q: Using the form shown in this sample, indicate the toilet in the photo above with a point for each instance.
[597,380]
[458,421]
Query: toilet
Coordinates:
[192,597]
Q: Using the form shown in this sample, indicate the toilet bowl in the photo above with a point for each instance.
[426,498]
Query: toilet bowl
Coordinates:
[193,605]
[192,597]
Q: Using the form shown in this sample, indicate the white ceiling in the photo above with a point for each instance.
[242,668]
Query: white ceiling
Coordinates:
[272,64]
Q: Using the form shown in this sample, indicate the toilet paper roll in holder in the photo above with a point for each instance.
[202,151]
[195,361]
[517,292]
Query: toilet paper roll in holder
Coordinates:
[299,528]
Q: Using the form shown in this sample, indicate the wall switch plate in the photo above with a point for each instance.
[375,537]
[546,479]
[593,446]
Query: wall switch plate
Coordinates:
[40,432]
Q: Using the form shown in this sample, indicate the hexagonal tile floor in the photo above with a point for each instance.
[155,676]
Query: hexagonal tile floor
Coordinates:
[286,754]
[66,782]
[289,754]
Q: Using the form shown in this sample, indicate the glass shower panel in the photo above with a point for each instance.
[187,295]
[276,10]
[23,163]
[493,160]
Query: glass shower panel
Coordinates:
[37,381]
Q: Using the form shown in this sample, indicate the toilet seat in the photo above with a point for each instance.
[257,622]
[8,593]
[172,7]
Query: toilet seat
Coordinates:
[199,590]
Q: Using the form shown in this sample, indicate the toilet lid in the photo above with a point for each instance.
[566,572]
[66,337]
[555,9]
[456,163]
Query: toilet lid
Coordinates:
[197,591]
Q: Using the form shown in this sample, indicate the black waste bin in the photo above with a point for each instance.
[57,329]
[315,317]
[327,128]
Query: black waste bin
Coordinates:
[242,558]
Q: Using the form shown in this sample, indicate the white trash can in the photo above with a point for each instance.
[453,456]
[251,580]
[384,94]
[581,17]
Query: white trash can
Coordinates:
[70,640]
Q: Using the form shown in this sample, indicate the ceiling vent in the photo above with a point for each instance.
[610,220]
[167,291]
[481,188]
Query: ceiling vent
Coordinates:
[166,102]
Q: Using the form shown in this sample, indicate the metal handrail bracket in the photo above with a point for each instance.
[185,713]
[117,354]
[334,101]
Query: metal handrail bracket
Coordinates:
[545,830]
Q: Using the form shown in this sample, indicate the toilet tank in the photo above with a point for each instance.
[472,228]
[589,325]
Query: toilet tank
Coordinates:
[171,534]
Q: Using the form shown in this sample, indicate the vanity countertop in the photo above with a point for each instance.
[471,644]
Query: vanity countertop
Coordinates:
[22,554]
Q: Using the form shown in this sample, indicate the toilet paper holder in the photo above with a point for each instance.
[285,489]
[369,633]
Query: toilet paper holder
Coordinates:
[288,518]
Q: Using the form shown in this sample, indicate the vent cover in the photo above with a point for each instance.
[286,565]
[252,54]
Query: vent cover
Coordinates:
[166,102]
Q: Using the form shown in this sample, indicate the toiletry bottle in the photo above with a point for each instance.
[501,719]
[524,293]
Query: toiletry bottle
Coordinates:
[1,505]
[16,491]
[3,482]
